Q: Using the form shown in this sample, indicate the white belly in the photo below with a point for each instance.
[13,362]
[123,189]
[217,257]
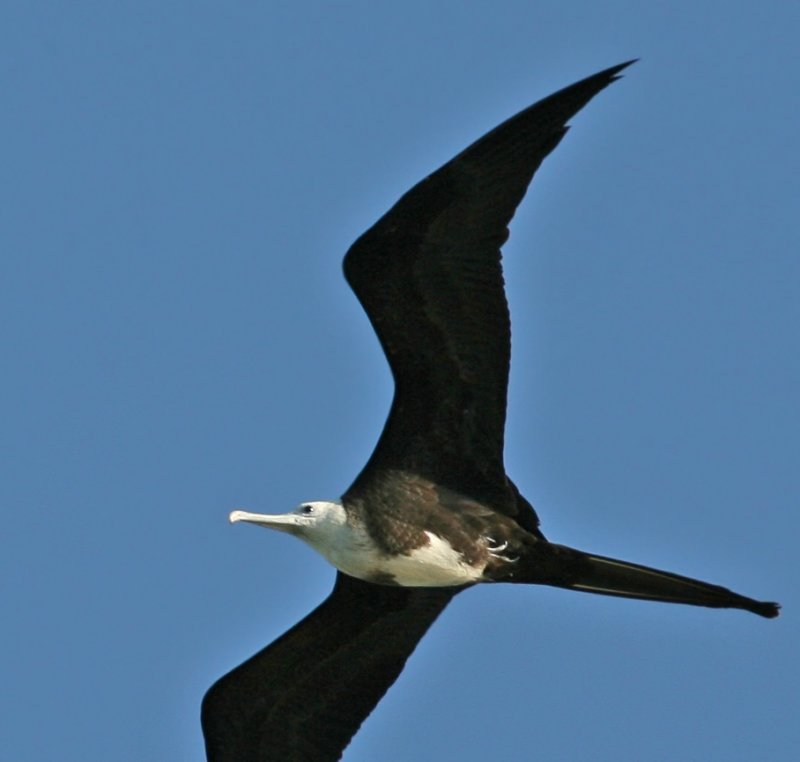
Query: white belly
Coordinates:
[432,565]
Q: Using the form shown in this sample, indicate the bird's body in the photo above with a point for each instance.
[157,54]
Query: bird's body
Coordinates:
[433,511]
[410,532]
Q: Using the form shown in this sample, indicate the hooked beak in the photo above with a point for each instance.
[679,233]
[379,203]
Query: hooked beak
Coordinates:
[283,522]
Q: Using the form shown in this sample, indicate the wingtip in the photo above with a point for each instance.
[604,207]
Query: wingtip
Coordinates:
[613,72]
[585,89]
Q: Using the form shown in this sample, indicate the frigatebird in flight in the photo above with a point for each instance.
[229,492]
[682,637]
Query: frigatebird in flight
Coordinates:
[433,510]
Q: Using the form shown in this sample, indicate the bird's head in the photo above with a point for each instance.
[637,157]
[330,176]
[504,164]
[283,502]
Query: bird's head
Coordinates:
[311,521]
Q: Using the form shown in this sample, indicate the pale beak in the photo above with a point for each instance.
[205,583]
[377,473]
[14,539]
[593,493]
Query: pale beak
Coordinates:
[283,522]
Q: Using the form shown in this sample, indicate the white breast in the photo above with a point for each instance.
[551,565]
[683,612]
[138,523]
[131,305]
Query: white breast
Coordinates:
[434,565]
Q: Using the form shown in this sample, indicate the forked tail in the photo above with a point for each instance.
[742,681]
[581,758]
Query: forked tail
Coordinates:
[576,570]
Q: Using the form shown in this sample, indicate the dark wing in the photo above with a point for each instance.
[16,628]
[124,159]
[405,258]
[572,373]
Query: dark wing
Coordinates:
[428,275]
[305,696]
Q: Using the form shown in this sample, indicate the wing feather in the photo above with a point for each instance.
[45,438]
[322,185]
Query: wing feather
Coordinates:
[429,276]
[304,696]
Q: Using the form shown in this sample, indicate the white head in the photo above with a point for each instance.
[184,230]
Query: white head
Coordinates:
[318,523]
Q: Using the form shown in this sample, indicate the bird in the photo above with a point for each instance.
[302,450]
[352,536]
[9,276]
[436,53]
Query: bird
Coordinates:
[433,511]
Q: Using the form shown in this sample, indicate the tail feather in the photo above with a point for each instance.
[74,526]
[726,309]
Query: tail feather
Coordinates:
[609,576]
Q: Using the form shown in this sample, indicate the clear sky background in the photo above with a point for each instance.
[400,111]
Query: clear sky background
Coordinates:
[179,183]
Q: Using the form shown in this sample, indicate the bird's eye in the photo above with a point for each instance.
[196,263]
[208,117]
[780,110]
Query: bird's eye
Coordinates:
[307,509]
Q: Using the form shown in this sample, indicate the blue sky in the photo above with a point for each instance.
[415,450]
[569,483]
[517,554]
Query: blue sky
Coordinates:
[180,182]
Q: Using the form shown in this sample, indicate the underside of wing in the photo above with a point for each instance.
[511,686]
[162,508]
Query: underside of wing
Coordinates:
[430,279]
[304,696]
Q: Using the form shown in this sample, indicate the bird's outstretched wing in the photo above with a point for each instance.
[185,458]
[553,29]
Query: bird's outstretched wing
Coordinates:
[305,695]
[429,276]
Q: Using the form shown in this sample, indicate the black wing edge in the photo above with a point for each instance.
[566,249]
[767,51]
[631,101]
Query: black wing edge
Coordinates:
[551,112]
[304,696]
[428,274]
